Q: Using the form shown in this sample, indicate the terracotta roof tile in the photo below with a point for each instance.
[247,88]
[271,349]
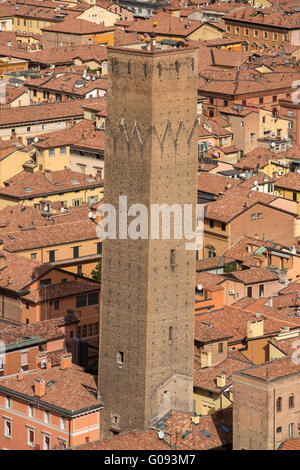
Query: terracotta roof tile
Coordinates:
[42,112]
[131,440]
[212,431]
[209,281]
[206,333]
[288,181]
[273,370]
[166,25]
[291,444]
[78,27]
[60,290]
[255,275]
[72,389]
[46,329]
[285,345]
[50,235]
[206,378]
[215,184]
[233,320]
[25,184]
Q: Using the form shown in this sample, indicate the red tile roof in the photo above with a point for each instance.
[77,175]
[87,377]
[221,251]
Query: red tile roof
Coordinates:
[209,281]
[215,184]
[273,370]
[233,320]
[206,378]
[46,329]
[78,27]
[291,444]
[42,112]
[131,440]
[166,25]
[211,432]
[253,276]
[288,181]
[25,184]
[206,333]
[72,390]
[61,290]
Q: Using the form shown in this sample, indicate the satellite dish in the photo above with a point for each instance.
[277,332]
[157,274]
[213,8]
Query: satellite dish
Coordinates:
[36,139]
[91,215]
[161,434]
[199,287]
[255,183]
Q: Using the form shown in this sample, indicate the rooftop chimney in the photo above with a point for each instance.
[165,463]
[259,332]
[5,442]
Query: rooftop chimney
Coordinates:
[39,388]
[221,380]
[20,375]
[196,419]
[66,361]
[152,42]
[255,328]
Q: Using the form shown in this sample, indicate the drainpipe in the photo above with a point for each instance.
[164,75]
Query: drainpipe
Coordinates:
[70,432]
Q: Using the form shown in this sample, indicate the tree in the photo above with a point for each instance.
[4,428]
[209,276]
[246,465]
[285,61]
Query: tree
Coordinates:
[96,273]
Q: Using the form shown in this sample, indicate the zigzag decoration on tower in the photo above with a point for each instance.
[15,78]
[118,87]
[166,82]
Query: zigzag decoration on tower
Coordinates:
[135,134]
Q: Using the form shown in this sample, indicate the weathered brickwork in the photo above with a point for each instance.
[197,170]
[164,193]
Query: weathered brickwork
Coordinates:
[150,157]
[257,424]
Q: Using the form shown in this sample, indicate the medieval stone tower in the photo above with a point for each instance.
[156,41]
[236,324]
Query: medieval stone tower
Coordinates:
[147,315]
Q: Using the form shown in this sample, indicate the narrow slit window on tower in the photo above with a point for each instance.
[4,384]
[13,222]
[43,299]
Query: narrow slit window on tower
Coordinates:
[120,357]
[172,259]
[170,334]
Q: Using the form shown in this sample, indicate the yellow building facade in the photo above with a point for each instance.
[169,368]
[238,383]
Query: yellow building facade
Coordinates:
[206,402]
[12,163]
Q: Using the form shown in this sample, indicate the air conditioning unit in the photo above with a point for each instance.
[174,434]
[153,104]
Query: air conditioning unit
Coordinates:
[43,363]
[231,292]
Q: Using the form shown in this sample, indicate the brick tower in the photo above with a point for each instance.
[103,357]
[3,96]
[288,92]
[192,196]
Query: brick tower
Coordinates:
[147,315]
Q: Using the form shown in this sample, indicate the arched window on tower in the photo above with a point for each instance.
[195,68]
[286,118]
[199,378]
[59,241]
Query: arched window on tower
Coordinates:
[279,404]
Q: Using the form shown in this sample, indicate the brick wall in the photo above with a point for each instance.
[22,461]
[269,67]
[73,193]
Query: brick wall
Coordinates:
[151,98]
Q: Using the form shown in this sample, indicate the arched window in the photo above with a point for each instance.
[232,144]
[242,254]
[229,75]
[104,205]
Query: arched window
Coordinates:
[279,404]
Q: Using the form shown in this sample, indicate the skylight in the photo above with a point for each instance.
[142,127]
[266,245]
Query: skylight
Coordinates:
[206,434]
[49,384]
[224,428]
